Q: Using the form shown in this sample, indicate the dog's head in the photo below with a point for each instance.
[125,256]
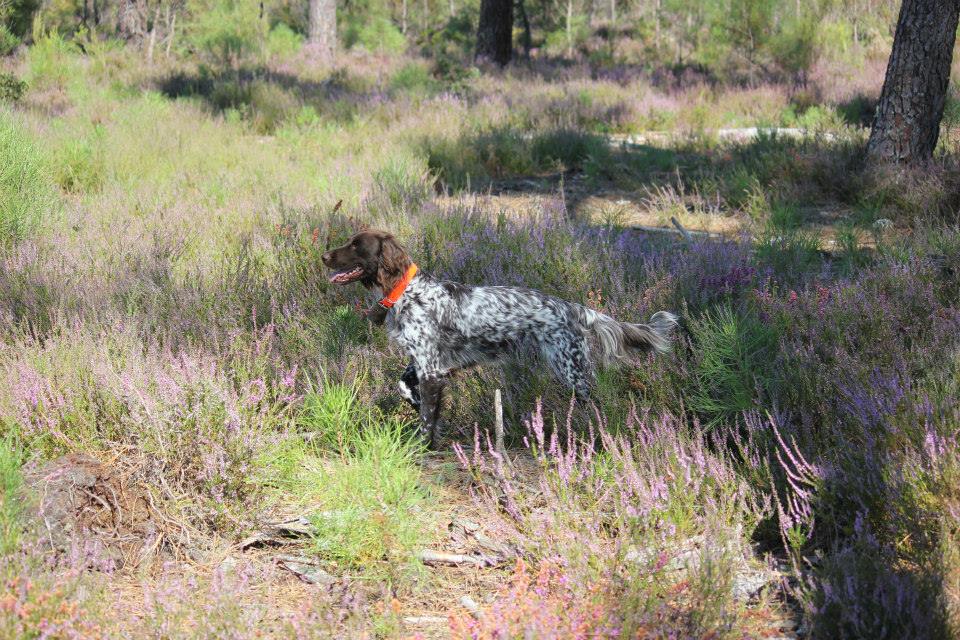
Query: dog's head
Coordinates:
[373,258]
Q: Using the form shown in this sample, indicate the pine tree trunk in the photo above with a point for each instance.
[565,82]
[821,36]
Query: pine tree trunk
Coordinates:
[907,122]
[322,33]
[495,32]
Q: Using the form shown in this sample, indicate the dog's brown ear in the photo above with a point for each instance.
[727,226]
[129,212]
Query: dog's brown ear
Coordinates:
[394,261]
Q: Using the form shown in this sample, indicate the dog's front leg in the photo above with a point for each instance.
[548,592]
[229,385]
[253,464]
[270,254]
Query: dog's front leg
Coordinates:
[410,386]
[431,396]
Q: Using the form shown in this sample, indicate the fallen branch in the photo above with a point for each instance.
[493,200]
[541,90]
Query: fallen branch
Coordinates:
[681,229]
[687,234]
[417,620]
[431,557]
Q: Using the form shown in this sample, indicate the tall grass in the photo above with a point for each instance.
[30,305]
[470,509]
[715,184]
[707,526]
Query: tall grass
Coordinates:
[11,495]
[26,198]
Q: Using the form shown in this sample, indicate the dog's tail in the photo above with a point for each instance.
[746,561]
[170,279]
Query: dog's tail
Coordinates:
[615,337]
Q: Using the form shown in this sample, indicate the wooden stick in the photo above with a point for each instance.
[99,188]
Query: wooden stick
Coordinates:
[498,423]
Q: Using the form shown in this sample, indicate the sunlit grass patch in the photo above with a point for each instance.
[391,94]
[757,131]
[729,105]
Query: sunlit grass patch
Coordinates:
[373,510]
[26,198]
[11,496]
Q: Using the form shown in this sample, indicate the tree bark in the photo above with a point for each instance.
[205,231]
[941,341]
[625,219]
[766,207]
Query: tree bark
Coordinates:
[495,32]
[906,124]
[322,32]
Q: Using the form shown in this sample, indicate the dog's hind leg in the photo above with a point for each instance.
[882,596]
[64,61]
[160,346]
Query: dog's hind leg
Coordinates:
[568,355]
[410,386]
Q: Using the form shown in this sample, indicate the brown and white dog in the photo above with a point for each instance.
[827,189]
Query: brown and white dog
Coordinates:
[446,326]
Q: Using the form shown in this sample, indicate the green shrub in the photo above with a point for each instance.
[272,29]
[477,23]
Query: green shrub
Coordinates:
[567,149]
[733,355]
[283,42]
[402,184]
[16,17]
[413,77]
[26,197]
[11,87]
[790,253]
[227,32]
[373,33]
[51,61]
[8,41]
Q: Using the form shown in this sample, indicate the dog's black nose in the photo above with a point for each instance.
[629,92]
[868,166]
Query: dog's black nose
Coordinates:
[325,257]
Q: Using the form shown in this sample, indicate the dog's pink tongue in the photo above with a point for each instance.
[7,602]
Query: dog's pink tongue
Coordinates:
[344,276]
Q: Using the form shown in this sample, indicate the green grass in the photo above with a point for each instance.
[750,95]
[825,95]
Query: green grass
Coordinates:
[372,506]
[11,496]
[332,416]
[26,196]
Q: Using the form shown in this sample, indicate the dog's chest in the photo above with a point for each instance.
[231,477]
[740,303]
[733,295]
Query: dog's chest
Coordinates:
[423,314]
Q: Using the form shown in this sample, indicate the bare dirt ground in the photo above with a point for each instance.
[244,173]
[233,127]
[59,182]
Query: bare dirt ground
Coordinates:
[88,502]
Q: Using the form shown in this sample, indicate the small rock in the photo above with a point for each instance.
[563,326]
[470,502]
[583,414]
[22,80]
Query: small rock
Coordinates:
[747,584]
[306,569]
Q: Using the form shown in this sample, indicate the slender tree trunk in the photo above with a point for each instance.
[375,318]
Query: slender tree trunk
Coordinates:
[172,31]
[907,121]
[151,43]
[495,32]
[322,32]
[525,21]
[569,28]
[656,23]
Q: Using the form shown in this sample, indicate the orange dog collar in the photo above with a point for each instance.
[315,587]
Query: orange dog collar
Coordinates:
[394,295]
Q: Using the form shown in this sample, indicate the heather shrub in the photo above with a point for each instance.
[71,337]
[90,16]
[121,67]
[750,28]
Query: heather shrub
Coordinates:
[862,593]
[26,198]
[543,605]
[38,604]
[609,509]
[199,421]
